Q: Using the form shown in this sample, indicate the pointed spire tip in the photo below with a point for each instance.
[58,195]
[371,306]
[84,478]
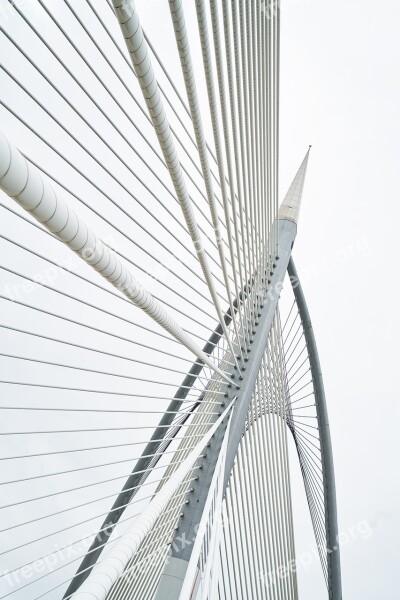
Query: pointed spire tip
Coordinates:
[290,207]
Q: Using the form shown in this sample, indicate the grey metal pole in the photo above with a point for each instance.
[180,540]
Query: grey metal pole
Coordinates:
[157,444]
[331,525]
[174,572]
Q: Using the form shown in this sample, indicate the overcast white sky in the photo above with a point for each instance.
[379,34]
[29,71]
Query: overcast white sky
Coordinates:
[340,92]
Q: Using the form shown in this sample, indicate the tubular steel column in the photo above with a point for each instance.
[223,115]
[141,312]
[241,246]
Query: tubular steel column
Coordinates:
[174,573]
[331,526]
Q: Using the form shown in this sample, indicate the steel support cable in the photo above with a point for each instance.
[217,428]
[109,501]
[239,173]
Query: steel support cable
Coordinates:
[244,118]
[178,19]
[105,410]
[212,101]
[92,98]
[248,34]
[252,470]
[224,108]
[243,527]
[247,474]
[319,538]
[81,505]
[240,54]
[287,347]
[306,406]
[98,286]
[260,117]
[103,140]
[317,495]
[146,251]
[97,213]
[297,432]
[267,466]
[231,570]
[130,91]
[297,427]
[262,133]
[317,514]
[304,424]
[256,125]
[287,358]
[318,508]
[257,449]
[116,295]
[74,508]
[260,459]
[246,491]
[59,568]
[55,364]
[65,529]
[299,389]
[259,133]
[44,475]
[279,439]
[232,543]
[145,522]
[164,70]
[148,41]
[273,466]
[277,92]
[27,501]
[282,365]
[252,85]
[261,433]
[170,80]
[300,378]
[73,450]
[269,108]
[240,147]
[311,456]
[152,444]
[149,577]
[276,455]
[188,74]
[52,431]
[81,301]
[239,536]
[291,327]
[319,535]
[97,329]
[238,157]
[75,524]
[266,423]
[289,504]
[160,549]
[109,172]
[295,362]
[287,319]
[137,47]
[147,555]
[316,492]
[248,515]
[300,432]
[79,557]
[23,182]
[73,389]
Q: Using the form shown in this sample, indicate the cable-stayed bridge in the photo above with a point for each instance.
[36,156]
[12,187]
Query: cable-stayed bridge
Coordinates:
[152,379]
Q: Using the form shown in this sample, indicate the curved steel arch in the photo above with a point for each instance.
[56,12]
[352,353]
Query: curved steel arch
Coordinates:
[331,524]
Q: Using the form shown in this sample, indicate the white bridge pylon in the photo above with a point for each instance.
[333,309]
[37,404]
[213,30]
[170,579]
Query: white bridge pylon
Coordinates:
[149,382]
